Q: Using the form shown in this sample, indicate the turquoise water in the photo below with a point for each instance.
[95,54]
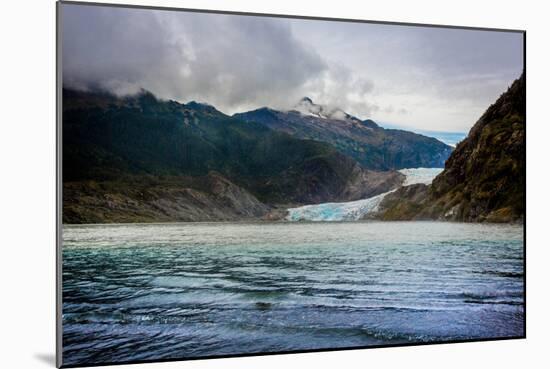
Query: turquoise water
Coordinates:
[149,292]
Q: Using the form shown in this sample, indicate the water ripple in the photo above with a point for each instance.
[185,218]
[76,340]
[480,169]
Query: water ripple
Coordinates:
[146,292]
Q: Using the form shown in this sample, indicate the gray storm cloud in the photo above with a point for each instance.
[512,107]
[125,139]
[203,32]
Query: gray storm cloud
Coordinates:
[228,61]
[421,77]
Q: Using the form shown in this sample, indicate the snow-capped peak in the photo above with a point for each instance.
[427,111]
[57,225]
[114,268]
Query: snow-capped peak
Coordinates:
[306,106]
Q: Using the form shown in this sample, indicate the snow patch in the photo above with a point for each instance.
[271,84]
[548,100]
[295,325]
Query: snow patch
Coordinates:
[308,108]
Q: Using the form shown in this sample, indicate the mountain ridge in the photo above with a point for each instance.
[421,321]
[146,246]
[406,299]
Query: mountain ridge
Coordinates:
[111,143]
[374,147]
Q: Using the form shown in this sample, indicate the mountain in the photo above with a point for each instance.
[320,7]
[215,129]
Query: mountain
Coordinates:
[371,145]
[483,179]
[138,158]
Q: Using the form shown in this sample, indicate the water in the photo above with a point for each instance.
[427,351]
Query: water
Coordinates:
[356,210]
[449,138]
[147,292]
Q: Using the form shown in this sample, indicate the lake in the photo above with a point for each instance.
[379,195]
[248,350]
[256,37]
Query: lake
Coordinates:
[162,291]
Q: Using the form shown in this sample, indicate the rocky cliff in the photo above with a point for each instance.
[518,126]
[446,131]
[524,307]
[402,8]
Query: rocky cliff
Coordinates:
[483,179]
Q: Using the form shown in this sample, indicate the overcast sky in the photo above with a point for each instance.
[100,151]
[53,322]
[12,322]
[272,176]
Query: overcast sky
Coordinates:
[417,77]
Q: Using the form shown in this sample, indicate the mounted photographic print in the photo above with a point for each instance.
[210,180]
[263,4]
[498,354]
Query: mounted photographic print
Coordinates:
[236,184]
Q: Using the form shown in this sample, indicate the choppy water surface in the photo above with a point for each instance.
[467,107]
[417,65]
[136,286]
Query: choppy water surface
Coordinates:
[146,292]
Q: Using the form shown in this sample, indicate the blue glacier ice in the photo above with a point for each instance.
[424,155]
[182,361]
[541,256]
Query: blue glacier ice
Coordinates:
[355,210]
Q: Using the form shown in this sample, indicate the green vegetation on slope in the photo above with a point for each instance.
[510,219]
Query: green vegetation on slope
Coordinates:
[112,144]
[373,146]
[483,179]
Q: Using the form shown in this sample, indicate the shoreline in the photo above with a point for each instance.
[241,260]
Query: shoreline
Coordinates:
[255,221]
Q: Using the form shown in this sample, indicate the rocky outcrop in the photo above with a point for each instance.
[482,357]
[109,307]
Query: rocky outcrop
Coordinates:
[483,179]
[328,180]
[146,199]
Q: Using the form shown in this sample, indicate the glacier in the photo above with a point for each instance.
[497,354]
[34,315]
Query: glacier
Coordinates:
[356,210]
[419,175]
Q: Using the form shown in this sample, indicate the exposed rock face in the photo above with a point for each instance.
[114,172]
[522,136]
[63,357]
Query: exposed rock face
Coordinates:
[484,178]
[374,147]
[145,199]
[328,180]
[367,183]
[404,204]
